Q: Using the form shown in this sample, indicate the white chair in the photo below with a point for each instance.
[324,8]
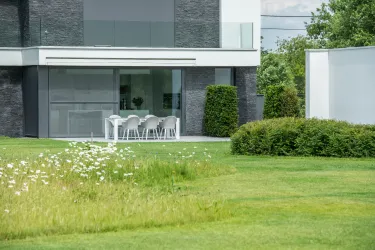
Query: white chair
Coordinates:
[131,124]
[169,124]
[151,124]
[148,116]
[113,123]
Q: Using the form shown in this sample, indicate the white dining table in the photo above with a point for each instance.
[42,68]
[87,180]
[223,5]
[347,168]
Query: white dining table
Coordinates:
[118,121]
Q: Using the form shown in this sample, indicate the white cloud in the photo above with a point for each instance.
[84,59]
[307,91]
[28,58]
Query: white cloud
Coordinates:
[272,7]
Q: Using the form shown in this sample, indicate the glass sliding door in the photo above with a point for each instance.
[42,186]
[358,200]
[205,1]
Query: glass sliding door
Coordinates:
[80,100]
[150,91]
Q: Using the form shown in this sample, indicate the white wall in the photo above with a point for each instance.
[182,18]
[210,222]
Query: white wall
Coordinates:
[351,78]
[233,14]
[317,102]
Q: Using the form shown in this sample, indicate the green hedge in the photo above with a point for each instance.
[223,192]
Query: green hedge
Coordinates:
[221,111]
[304,137]
[281,101]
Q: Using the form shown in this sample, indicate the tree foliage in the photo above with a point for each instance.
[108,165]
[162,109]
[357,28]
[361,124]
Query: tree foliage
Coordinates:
[281,101]
[293,52]
[273,71]
[344,23]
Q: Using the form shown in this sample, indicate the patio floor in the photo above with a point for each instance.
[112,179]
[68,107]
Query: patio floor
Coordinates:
[182,139]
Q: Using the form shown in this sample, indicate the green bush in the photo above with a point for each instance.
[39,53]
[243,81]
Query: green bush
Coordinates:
[221,111]
[304,137]
[281,101]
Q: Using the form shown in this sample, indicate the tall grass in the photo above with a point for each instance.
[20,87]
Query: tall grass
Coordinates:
[89,188]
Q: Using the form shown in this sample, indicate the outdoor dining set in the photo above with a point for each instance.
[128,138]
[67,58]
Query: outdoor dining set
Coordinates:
[148,127]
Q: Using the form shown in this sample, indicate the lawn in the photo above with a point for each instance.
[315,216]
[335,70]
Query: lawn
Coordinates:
[239,202]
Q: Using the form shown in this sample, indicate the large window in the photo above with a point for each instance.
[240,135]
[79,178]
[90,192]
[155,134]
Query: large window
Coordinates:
[80,100]
[129,23]
[150,91]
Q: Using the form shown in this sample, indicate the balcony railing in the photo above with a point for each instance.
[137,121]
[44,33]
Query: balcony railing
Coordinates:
[193,34]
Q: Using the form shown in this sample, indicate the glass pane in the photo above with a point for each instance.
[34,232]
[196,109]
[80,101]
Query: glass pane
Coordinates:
[133,34]
[78,120]
[81,85]
[156,92]
[162,34]
[99,33]
[246,35]
[223,76]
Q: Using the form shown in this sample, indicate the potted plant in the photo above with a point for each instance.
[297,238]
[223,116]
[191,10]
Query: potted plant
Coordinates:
[138,102]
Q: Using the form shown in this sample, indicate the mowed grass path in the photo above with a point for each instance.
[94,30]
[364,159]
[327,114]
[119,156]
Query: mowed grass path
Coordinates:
[276,203]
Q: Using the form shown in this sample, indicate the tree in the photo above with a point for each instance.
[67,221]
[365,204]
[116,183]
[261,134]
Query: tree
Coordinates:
[273,71]
[293,52]
[344,23]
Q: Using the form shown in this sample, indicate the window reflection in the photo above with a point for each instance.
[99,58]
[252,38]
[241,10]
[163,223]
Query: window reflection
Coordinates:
[150,91]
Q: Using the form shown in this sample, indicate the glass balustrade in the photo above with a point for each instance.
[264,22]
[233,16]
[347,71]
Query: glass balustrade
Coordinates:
[194,34]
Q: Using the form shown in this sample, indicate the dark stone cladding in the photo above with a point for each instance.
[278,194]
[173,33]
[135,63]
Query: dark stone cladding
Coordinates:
[10,29]
[196,81]
[197,23]
[11,105]
[245,80]
[52,22]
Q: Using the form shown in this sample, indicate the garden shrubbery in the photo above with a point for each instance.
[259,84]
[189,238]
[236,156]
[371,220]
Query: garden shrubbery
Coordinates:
[304,137]
[281,101]
[221,111]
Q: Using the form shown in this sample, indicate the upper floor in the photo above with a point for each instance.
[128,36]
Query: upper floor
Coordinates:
[168,24]
[131,23]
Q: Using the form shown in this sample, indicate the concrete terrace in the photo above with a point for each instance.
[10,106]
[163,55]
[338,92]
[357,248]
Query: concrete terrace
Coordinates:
[182,139]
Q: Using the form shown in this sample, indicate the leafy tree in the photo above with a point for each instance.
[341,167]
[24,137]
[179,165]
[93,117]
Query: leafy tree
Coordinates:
[293,52]
[344,23]
[273,71]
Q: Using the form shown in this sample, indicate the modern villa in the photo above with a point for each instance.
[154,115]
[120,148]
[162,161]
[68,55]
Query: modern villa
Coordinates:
[66,65]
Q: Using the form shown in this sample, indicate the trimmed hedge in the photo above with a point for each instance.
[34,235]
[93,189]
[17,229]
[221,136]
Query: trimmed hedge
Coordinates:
[281,101]
[304,137]
[221,111]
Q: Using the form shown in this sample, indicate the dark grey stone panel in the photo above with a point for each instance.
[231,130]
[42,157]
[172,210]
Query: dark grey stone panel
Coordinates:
[43,102]
[53,22]
[196,81]
[10,29]
[245,80]
[30,100]
[11,105]
[197,23]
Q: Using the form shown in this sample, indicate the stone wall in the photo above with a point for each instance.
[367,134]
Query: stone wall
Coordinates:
[11,105]
[10,31]
[197,24]
[196,81]
[245,80]
[52,22]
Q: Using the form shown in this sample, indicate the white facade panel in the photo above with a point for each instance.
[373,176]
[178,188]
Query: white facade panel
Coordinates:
[239,19]
[353,85]
[351,78]
[129,57]
[317,88]
[11,57]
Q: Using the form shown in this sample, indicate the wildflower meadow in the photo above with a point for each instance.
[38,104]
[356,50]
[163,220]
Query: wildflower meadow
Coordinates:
[92,188]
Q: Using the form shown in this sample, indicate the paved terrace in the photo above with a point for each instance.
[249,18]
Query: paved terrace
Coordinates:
[182,139]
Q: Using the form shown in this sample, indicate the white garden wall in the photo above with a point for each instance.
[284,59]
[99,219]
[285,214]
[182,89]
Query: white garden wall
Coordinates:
[340,84]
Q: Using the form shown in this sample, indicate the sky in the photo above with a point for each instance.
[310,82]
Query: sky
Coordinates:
[289,8]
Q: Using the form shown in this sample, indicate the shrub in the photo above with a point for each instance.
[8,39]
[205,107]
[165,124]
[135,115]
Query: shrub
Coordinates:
[221,111]
[281,101]
[304,137]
